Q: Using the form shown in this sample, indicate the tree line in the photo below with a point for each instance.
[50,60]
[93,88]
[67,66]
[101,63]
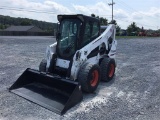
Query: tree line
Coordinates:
[132,29]
[6,21]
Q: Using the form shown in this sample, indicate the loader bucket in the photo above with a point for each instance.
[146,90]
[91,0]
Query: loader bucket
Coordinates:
[52,92]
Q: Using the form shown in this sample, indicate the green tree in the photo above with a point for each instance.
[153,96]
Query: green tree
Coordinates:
[103,21]
[118,28]
[113,22]
[132,29]
[25,23]
[93,15]
[3,26]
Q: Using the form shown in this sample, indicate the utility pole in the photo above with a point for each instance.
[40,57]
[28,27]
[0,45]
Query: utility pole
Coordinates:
[112,7]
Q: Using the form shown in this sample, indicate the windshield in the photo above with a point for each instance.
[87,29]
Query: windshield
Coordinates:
[69,30]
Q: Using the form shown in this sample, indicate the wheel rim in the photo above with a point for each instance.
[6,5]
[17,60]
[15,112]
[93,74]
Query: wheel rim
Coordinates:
[94,80]
[111,70]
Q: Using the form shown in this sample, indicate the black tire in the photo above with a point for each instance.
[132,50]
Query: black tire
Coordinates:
[89,77]
[107,67]
[42,66]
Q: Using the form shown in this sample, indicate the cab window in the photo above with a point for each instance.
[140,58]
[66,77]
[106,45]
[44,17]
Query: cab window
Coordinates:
[91,32]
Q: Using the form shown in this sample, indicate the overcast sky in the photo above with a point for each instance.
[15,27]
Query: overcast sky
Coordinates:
[145,13]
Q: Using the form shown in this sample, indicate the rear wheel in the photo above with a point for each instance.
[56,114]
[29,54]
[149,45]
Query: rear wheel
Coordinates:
[89,77]
[108,69]
[42,66]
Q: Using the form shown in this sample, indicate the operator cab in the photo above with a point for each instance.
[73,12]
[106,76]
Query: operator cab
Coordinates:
[75,31]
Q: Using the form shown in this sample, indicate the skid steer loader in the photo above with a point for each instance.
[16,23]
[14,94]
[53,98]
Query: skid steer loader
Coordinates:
[81,57]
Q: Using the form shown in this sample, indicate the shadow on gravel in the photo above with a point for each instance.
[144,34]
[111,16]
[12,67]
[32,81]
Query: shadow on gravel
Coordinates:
[110,82]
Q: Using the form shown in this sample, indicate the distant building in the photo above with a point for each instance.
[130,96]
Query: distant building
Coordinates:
[23,29]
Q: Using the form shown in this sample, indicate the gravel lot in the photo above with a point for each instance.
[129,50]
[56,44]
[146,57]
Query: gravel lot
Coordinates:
[134,93]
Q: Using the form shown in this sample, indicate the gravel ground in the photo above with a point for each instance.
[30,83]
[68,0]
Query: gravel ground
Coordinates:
[134,93]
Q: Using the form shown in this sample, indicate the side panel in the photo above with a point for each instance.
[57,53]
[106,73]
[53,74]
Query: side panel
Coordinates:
[112,52]
[62,63]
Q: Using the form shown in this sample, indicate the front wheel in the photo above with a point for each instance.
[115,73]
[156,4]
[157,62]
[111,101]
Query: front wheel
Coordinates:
[89,77]
[42,66]
[107,69]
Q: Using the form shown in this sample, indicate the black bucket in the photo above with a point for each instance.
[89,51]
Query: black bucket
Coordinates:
[51,92]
